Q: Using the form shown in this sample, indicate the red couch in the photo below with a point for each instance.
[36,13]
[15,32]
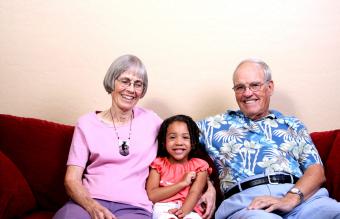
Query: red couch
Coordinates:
[33,154]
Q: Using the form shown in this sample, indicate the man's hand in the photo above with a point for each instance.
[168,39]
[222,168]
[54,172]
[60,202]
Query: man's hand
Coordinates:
[270,203]
[208,201]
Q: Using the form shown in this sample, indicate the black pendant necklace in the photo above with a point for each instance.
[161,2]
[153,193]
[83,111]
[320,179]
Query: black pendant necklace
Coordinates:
[123,144]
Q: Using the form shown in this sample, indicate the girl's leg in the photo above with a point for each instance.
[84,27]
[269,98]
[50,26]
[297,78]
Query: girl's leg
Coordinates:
[167,216]
[160,210]
[192,215]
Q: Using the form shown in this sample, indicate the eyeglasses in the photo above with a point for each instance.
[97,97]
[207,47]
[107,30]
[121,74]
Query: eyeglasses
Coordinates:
[254,87]
[126,82]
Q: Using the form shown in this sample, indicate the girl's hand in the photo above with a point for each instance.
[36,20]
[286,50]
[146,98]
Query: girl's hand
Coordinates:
[178,212]
[189,178]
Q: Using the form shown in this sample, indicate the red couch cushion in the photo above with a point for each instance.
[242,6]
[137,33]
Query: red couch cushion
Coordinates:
[15,195]
[39,215]
[39,149]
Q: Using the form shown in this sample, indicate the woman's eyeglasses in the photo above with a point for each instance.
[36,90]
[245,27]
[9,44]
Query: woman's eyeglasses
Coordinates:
[126,82]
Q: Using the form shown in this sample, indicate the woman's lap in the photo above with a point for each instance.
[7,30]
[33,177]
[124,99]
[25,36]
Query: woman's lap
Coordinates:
[120,210]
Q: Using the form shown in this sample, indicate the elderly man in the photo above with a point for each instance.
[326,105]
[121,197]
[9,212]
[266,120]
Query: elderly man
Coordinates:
[267,163]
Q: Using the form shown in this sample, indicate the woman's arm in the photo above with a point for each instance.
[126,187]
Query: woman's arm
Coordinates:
[79,194]
[194,195]
[157,193]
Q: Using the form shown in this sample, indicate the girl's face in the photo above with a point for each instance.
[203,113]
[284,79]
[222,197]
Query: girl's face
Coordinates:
[177,142]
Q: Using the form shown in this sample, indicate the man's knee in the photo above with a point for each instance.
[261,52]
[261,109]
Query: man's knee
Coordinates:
[254,214]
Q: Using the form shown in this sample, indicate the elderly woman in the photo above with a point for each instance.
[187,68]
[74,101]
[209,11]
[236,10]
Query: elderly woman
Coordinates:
[111,151]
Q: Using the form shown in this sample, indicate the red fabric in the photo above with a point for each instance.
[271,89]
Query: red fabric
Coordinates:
[15,195]
[324,142]
[333,169]
[328,145]
[40,215]
[39,149]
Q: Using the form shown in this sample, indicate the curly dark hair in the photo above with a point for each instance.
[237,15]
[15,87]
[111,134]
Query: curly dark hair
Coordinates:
[193,129]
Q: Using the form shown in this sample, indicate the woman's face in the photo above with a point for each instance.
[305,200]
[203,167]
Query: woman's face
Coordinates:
[128,90]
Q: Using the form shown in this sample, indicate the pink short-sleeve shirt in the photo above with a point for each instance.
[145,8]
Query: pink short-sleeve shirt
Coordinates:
[108,175]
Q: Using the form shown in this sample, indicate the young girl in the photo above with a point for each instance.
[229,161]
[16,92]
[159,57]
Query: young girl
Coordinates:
[176,178]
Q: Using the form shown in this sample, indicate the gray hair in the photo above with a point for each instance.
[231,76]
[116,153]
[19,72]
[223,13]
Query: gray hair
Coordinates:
[123,64]
[266,70]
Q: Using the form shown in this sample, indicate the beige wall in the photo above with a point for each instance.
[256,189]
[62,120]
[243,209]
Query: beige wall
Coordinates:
[54,54]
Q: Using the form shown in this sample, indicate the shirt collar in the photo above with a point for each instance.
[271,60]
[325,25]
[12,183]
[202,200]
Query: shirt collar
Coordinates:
[273,114]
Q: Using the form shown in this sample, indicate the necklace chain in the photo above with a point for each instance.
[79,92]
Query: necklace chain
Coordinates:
[114,125]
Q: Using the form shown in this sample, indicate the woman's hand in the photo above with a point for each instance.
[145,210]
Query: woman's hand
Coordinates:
[97,211]
[208,201]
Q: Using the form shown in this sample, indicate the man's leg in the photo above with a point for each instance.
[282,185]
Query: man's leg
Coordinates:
[254,214]
[317,206]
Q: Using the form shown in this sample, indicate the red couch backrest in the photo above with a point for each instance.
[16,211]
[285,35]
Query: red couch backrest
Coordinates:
[39,149]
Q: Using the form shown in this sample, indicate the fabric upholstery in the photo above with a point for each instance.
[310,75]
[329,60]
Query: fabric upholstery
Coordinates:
[333,169]
[15,195]
[324,142]
[328,145]
[33,155]
[39,149]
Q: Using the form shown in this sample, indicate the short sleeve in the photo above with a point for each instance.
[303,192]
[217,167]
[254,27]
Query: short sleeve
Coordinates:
[201,165]
[79,151]
[158,164]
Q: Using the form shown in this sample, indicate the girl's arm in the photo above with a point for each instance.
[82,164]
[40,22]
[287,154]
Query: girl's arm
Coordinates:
[194,195]
[157,193]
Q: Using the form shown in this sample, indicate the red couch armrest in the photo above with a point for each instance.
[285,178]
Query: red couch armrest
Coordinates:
[328,145]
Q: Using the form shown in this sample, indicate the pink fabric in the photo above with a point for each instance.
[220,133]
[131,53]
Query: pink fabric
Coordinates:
[173,173]
[109,175]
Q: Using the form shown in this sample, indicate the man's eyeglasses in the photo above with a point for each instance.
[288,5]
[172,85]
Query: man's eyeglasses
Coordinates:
[254,87]
[126,82]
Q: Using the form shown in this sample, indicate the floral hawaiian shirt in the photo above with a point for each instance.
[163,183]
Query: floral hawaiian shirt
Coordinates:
[241,147]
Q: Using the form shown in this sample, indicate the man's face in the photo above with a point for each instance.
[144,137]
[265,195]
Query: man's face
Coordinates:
[254,99]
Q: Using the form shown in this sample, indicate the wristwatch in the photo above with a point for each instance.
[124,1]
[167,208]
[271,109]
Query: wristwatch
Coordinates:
[297,191]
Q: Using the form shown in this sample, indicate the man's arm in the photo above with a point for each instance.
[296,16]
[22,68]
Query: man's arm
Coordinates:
[308,184]
[208,199]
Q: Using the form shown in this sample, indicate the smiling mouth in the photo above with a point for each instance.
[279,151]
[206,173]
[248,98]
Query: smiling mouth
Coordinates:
[250,101]
[129,98]
[179,151]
